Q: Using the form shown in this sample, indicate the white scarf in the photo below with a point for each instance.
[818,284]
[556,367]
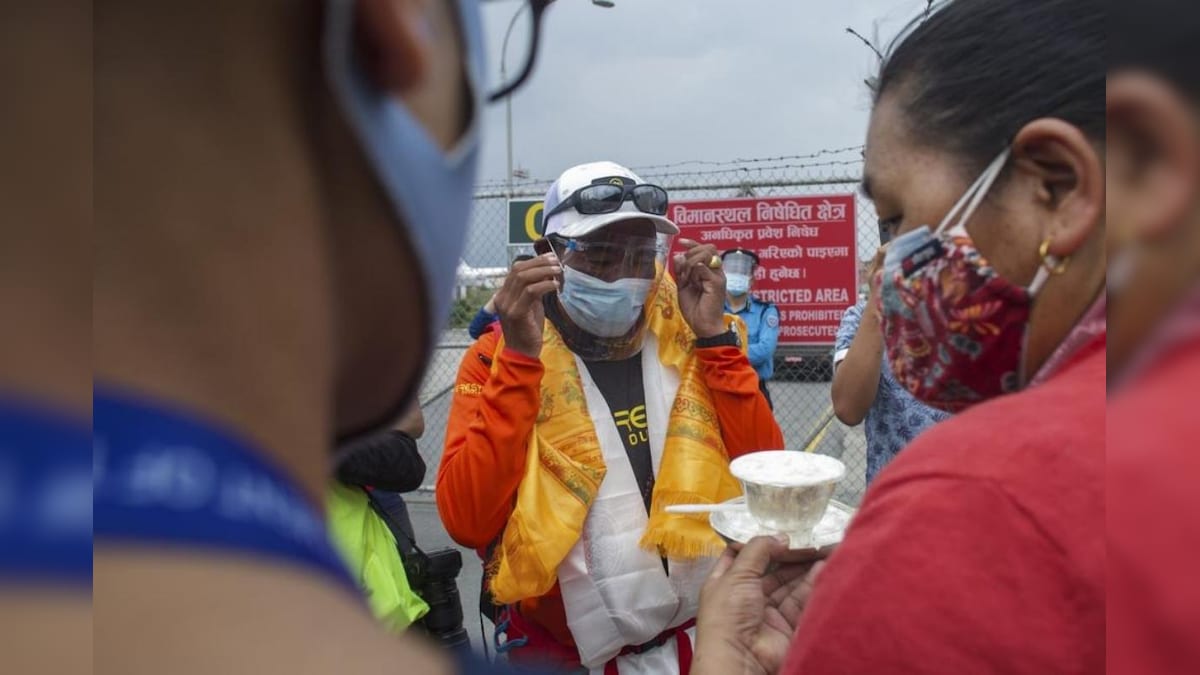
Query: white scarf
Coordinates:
[616,593]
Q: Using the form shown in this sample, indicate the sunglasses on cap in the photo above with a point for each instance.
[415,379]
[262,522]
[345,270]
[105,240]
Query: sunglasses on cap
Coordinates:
[592,200]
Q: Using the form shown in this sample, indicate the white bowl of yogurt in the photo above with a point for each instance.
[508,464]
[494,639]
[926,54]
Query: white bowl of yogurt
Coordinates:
[788,491]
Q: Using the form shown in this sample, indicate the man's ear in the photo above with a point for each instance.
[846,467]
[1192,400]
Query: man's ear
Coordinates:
[1069,177]
[1154,152]
[395,42]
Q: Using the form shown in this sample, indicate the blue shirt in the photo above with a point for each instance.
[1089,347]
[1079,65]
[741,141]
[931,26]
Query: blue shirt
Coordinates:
[762,331]
[895,418]
[480,323]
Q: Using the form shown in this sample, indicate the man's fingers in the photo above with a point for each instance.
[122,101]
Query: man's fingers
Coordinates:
[695,254]
[543,269]
[541,273]
[783,581]
[683,272]
[793,597]
[529,296]
[540,261]
[702,273]
[792,603]
[541,288]
[782,575]
[691,266]
[700,254]
[534,292]
[773,618]
[756,555]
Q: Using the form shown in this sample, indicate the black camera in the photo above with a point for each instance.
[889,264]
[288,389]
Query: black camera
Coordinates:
[432,575]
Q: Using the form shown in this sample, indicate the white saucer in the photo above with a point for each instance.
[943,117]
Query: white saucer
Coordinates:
[738,526]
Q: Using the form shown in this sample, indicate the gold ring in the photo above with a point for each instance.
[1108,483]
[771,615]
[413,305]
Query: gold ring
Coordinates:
[714,262]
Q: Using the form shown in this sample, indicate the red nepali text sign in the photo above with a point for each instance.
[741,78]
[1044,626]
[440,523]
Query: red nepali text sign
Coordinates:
[807,249]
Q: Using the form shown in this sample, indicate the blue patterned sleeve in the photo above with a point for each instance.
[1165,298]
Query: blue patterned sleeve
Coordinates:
[845,333]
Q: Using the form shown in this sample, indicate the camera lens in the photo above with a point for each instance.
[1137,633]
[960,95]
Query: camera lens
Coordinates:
[444,622]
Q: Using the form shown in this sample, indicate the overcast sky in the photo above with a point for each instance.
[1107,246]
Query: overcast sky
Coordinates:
[658,81]
[652,82]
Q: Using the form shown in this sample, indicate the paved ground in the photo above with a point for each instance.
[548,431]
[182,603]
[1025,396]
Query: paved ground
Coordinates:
[801,409]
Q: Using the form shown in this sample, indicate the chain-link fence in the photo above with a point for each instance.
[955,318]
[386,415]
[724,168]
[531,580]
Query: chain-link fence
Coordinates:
[800,387]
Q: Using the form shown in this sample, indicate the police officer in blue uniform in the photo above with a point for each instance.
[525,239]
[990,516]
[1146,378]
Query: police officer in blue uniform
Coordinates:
[762,318]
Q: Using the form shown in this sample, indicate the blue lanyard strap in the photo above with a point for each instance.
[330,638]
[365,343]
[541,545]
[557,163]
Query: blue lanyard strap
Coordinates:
[164,476]
[45,496]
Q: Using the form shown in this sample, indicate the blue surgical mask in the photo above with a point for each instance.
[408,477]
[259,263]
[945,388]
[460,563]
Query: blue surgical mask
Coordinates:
[905,245]
[737,284]
[606,309]
[430,189]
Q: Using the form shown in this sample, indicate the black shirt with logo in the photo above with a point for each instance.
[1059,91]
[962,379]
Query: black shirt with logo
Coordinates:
[621,384]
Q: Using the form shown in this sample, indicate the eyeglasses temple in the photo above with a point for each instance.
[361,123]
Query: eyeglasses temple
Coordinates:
[536,8]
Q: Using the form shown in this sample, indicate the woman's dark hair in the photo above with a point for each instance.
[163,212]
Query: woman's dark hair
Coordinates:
[974,72]
[1160,36]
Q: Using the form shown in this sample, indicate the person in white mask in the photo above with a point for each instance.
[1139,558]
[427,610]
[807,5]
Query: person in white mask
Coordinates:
[611,391]
[761,316]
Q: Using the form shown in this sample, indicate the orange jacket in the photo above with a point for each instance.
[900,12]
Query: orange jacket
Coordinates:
[491,418]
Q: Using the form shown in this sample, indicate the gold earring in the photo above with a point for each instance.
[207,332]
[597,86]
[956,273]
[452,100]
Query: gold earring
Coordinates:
[1052,263]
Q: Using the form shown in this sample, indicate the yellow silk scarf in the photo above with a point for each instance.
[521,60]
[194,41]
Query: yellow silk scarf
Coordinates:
[565,464]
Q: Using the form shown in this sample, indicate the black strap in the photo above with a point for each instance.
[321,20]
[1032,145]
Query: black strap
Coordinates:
[487,604]
[407,545]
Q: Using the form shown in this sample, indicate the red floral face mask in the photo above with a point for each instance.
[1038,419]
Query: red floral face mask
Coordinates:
[955,330]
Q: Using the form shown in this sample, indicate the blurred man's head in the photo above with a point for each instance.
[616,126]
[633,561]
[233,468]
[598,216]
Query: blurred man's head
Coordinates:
[314,204]
[608,229]
[1153,172]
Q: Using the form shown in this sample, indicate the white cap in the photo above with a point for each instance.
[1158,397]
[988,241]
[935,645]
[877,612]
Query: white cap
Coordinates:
[571,223]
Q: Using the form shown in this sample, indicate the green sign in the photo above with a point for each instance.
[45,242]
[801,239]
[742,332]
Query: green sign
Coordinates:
[524,221]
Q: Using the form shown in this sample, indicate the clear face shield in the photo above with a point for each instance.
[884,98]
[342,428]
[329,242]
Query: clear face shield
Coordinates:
[739,273]
[609,279]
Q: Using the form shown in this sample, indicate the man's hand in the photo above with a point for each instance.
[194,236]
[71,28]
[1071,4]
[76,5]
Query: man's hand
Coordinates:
[701,289]
[873,295]
[519,302]
[749,609]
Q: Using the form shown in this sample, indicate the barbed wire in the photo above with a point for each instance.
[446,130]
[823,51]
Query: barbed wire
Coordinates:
[758,171]
[730,165]
[753,160]
[744,173]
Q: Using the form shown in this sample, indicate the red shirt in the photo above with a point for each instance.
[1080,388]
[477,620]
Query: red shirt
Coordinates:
[1154,518]
[980,548]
